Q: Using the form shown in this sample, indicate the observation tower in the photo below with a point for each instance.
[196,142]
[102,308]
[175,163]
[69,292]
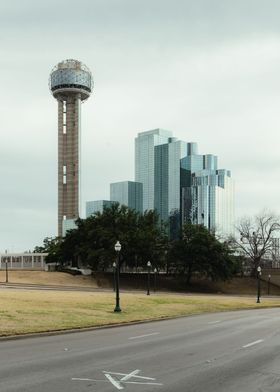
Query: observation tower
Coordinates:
[70,83]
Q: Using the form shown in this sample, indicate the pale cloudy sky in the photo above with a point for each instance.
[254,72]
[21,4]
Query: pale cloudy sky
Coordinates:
[208,70]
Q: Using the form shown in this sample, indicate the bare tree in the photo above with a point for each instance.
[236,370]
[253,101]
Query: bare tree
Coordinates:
[257,237]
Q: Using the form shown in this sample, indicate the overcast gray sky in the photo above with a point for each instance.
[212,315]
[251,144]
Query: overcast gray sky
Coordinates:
[208,70]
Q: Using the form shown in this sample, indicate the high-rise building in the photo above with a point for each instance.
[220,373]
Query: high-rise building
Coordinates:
[182,185]
[97,206]
[145,162]
[207,194]
[167,177]
[128,193]
[68,224]
[194,163]
[70,83]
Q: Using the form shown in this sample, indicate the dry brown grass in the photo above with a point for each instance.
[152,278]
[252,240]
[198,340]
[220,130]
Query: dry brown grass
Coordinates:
[47,278]
[27,311]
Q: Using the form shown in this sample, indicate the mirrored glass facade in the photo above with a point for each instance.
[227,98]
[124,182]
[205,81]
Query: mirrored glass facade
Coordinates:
[167,180]
[97,206]
[128,193]
[144,161]
[209,200]
[182,185]
[68,224]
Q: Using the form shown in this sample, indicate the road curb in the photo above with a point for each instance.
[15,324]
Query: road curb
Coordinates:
[87,329]
[116,325]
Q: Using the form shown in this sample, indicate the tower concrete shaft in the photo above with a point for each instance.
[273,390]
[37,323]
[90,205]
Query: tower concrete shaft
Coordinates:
[68,158]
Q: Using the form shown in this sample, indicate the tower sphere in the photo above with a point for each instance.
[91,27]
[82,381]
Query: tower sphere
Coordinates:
[70,77]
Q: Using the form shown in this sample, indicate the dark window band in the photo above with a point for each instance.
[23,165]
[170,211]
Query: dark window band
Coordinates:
[82,87]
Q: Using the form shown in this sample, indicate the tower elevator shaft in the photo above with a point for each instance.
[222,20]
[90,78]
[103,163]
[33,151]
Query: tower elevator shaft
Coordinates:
[68,158]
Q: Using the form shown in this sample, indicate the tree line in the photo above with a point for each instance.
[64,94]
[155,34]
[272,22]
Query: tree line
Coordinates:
[143,238]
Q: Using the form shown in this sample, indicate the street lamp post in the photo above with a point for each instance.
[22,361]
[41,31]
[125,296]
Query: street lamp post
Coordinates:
[6,262]
[114,268]
[155,279]
[149,264]
[118,249]
[268,285]
[259,270]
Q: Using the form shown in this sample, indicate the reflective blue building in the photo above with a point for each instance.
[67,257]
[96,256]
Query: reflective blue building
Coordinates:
[168,179]
[97,206]
[145,162]
[207,194]
[182,185]
[128,193]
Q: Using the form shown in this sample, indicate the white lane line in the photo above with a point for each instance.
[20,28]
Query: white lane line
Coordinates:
[253,343]
[143,383]
[86,379]
[144,336]
[214,322]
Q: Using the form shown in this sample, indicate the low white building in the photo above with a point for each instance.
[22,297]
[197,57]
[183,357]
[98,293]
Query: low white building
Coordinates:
[23,261]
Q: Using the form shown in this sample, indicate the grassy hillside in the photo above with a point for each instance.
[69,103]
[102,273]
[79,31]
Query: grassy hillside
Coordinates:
[237,286]
[47,278]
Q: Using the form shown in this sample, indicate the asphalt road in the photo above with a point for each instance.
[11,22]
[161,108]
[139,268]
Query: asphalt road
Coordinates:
[222,352]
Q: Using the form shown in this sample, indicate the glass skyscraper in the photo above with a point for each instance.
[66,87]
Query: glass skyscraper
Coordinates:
[68,224]
[145,162]
[167,180]
[182,185]
[128,193]
[207,194]
[97,206]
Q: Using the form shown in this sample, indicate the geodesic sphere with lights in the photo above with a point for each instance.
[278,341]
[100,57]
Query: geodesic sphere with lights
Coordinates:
[71,77]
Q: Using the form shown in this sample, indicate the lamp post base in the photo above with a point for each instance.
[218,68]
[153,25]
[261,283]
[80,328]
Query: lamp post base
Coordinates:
[117,309]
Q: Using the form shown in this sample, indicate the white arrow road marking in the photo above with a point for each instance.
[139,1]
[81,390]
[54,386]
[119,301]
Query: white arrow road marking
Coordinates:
[132,374]
[125,374]
[115,382]
[118,383]
[253,343]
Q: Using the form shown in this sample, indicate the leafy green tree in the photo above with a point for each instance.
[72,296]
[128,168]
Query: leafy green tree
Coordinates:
[52,246]
[92,242]
[198,251]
